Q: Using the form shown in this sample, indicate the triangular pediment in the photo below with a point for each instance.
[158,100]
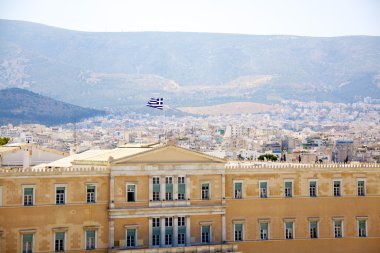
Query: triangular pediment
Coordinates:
[169,154]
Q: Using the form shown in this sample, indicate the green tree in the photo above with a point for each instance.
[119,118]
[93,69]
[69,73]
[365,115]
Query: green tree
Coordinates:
[268,157]
[4,140]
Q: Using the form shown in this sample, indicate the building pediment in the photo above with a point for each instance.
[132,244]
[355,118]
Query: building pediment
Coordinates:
[168,154]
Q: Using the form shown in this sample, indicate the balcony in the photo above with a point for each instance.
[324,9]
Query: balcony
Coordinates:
[211,248]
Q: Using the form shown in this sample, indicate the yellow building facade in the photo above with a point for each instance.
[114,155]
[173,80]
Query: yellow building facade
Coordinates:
[169,199]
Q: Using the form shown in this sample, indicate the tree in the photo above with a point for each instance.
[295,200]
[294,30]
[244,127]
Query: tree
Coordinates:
[268,157]
[4,140]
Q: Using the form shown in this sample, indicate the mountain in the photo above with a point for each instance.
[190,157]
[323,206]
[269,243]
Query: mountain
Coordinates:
[122,70]
[21,106]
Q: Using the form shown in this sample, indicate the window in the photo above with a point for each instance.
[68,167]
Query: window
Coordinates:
[238,190]
[181,231]
[181,188]
[131,193]
[289,230]
[28,196]
[156,239]
[338,228]
[169,180]
[156,231]
[264,235]
[168,239]
[313,227]
[90,193]
[168,222]
[131,238]
[169,188]
[156,222]
[181,238]
[90,239]
[156,189]
[59,244]
[60,195]
[205,191]
[288,189]
[263,189]
[205,234]
[361,187]
[181,180]
[27,243]
[168,231]
[238,232]
[313,188]
[336,185]
[181,221]
[362,228]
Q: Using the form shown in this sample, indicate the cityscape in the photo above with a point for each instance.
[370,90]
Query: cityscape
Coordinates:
[198,126]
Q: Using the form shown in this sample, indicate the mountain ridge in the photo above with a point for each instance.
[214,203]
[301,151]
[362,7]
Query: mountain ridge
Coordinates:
[19,106]
[62,63]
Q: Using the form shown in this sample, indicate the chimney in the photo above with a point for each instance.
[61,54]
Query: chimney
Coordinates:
[27,157]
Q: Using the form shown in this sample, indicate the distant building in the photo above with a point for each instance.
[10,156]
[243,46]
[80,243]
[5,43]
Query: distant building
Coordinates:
[343,151]
[27,154]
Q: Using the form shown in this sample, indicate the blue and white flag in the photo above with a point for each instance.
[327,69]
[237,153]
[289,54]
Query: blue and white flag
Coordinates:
[157,103]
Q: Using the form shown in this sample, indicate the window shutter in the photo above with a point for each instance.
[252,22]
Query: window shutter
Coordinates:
[181,230]
[168,230]
[289,225]
[238,227]
[313,224]
[205,229]
[27,238]
[238,186]
[90,233]
[264,226]
[263,185]
[181,188]
[59,235]
[60,188]
[28,191]
[131,188]
[156,188]
[169,188]
[205,185]
[313,183]
[90,187]
[156,231]
[361,224]
[288,184]
[131,232]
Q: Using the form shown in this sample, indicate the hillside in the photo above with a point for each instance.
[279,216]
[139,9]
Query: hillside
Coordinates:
[191,69]
[22,106]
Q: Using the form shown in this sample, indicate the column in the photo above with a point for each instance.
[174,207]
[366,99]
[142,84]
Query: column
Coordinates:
[162,188]
[188,241]
[175,231]
[223,189]
[112,191]
[162,236]
[175,188]
[150,232]
[111,236]
[187,191]
[223,228]
[150,188]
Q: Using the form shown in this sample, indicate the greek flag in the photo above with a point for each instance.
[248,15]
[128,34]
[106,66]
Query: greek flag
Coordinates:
[157,103]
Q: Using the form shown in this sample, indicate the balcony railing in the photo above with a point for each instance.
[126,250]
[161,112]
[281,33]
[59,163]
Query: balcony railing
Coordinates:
[212,248]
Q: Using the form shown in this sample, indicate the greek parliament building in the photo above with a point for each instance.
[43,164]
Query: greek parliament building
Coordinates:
[169,199]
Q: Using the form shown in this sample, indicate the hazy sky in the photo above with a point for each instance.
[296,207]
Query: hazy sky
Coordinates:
[296,17]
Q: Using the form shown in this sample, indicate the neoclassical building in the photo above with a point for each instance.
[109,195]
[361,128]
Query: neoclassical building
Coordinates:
[158,198]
